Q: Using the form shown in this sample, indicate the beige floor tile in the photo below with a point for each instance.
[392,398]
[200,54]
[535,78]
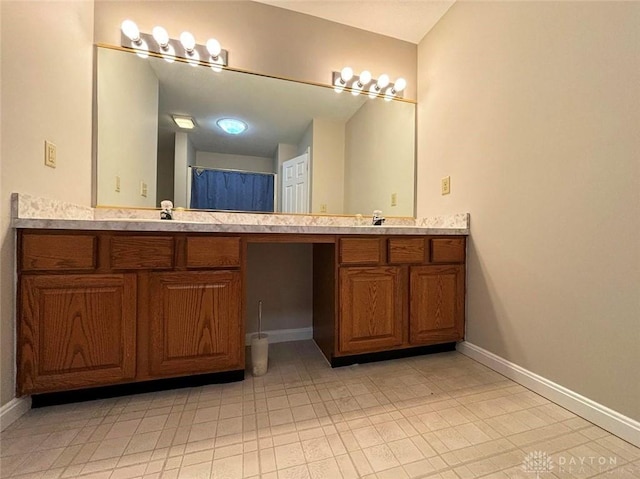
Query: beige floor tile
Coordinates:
[380,457]
[289,455]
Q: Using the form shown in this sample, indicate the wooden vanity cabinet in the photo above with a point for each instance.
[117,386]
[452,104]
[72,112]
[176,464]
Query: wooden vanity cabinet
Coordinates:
[105,308]
[195,322]
[397,293]
[75,331]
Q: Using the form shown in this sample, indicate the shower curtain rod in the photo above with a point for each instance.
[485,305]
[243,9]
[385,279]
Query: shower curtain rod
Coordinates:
[231,169]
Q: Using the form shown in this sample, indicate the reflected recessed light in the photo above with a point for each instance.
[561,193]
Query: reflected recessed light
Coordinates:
[185,122]
[232,126]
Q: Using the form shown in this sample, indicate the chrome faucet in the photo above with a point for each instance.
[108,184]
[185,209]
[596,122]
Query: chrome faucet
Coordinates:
[378,219]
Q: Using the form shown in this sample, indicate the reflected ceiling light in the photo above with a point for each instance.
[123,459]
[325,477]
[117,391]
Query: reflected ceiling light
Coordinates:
[231,125]
[185,122]
[170,49]
[356,84]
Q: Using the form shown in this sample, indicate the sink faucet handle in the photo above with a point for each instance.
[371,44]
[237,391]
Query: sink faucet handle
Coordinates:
[378,219]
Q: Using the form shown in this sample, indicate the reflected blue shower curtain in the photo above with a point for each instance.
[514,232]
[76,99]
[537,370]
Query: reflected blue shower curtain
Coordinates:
[231,190]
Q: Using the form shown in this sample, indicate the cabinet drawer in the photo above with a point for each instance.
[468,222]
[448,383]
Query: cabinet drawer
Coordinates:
[406,250]
[360,251]
[447,250]
[141,252]
[58,252]
[205,252]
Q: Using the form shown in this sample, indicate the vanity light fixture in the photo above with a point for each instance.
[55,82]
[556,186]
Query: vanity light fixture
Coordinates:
[186,48]
[232,126]
[161,37]
[185,122]
[365,82]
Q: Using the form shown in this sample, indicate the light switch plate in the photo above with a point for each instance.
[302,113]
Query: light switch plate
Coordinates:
[143,189]
[117,184]
[394,199]
[49,154]
[446,185]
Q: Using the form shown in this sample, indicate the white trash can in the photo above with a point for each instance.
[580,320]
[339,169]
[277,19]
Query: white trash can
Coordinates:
[259,353]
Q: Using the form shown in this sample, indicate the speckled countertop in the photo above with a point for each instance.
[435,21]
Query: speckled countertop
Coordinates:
[33,212]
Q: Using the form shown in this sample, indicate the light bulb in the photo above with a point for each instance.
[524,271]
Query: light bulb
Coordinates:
[400,85]
[194,58]
[213,47]
[355,90]
[161,36]
[188,41]
[168,53]
[217,65]
[365,77]
[131,31]
[142,49]
[388,95]
[383,81]
[373,92]
[338,87]
[346,74]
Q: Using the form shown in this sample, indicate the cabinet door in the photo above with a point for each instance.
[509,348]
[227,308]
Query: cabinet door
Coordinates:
[371,313]
[436,305]
[195,323]
[76,331]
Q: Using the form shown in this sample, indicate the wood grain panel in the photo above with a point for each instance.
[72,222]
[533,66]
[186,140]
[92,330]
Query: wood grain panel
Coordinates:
[447,250]
[58,252]
[371,309]
[141,252]
[207,252]
[195,322]
[324,297]
[406,250]
[436,310]
[360,251]
[76,331]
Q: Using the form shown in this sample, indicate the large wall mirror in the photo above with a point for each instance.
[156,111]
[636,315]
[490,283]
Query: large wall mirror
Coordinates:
[306,148]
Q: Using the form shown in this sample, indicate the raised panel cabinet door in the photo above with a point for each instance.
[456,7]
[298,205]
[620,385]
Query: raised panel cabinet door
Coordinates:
[436,304]
[371,313]
[195,322]
[76,331]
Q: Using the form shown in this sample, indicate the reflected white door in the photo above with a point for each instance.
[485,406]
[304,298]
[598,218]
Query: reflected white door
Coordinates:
[295,184]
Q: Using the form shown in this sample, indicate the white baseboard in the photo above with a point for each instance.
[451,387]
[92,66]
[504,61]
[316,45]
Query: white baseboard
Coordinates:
[11,412]
[284,335]
[614,422]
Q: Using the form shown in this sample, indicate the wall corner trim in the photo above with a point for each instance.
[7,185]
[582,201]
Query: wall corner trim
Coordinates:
[13,410]
[283,335]
[618,424]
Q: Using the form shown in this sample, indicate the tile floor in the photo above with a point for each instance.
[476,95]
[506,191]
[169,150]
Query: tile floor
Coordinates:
[436,416]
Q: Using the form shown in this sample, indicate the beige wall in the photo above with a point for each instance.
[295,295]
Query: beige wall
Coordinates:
[127,125]
[281,276]
[46,95]
[532,108]
[327,166]
[256,164]
[265,39]
[380,159]
[185,156]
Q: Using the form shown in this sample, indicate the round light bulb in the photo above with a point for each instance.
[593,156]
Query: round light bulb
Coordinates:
[188,41]
[213,47]
[400,84]
[130,30]
[355,90]
[365,77]
[383,81]
[161,36]
[373,92]
[346,74]
[337,86]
